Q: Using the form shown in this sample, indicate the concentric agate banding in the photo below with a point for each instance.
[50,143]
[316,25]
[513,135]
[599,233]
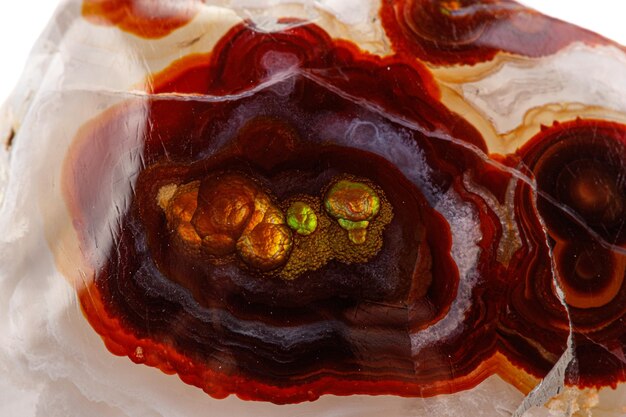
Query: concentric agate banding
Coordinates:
[335,309]
[468,32]
[579,170]
[219,273]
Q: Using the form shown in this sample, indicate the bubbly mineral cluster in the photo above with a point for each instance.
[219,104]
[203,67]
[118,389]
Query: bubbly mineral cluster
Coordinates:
[401,207]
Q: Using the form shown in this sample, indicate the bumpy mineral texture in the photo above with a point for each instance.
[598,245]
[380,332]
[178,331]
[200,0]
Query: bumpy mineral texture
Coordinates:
[313,212]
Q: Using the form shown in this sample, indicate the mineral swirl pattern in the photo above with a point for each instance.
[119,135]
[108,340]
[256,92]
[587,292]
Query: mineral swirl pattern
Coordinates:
[311,218]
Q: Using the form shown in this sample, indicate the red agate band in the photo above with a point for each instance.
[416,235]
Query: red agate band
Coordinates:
[144,18]
[467,32]
[579,168]
[353,306]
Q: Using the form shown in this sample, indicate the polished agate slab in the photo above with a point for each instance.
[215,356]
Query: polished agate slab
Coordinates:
[347,209]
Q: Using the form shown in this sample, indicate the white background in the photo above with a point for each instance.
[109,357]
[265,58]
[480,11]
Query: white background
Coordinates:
[21,22]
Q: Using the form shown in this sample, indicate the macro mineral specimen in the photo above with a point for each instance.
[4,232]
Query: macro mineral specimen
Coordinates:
[410,207]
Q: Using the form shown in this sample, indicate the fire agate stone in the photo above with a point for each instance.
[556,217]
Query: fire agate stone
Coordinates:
[405,200]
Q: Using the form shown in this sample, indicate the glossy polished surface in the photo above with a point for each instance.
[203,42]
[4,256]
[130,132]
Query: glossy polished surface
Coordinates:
[292,209]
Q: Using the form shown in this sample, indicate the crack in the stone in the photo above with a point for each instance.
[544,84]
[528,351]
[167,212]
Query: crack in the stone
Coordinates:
[551,385]
[554,382]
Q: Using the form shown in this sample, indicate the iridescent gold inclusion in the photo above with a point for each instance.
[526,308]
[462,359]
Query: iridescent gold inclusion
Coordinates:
[225,209]
[180,204]
[353,204]
[266,240]
[330,241]
[231,214]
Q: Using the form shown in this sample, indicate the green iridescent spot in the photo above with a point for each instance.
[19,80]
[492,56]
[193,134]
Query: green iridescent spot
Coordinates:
[350,225]
[357,231]
[301,218]
[352,201]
